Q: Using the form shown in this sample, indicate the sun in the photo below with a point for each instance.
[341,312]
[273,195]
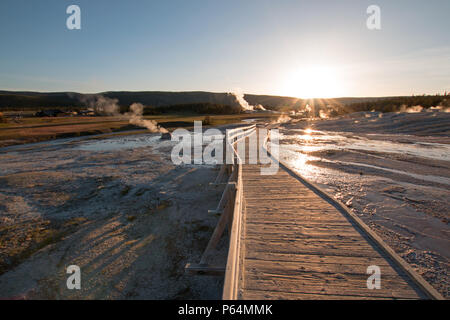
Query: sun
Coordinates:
[313,82]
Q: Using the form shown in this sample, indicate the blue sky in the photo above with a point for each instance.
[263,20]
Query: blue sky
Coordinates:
[298,48]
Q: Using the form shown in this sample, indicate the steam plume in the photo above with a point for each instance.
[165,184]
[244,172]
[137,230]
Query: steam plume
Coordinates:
[413,109]
[109,107]
[244,104]
[282,119]
[439,109]
[101,105]
[323,114]
[135,117]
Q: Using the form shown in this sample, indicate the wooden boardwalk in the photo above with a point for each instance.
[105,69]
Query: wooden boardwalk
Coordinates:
[294,244]
[291,240]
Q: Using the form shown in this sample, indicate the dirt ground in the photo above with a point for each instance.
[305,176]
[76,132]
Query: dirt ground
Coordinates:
[126,215]
[29,129]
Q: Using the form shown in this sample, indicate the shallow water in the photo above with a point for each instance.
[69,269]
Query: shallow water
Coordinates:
[114,144]
[141,141]
[315,140]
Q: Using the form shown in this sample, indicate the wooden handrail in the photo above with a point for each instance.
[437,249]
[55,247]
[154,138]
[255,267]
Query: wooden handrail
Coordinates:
[230,288]
[241,128]
[230,208]
[240,131]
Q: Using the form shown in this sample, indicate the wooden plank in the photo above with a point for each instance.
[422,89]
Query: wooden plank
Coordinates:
[305,229]
[297,242]
[301,245]
[295,267]
[279,197]
[283,211]
[250,192]
[299,220]
[292,212]
[295,205]
[317,259]
[250,294]
[329,284]
[350,235]
[262,214]
[295,247]
[256,234]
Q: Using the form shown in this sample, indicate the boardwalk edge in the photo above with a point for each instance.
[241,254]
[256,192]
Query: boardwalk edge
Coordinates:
[417,278]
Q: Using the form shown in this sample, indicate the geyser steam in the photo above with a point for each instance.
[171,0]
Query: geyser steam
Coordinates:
[101,105]
[244,104]
[135,117]
[109,107]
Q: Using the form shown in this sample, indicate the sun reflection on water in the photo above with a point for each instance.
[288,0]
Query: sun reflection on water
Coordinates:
[311,153]
[297,155]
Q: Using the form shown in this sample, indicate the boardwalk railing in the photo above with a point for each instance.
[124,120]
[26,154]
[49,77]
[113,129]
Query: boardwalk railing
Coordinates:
[232,210]
[229,208]
[230,287]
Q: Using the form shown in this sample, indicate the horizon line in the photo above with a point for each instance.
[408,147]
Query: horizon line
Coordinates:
[227,92]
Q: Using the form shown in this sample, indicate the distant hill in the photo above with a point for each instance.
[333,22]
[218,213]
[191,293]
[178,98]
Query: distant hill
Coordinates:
[25,100]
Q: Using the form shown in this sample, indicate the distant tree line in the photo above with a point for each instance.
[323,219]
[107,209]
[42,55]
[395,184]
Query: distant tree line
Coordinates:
[212,103]
[198,108]
[398,103]
[155,102]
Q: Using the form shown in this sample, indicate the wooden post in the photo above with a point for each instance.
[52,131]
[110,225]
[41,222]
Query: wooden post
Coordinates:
[217,234]
[224,148]
[225,195]
[220,175]
[229,204]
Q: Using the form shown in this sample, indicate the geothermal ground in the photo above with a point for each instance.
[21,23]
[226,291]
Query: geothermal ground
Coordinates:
[117,207]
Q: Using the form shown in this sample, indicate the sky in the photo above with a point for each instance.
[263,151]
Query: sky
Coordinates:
[294,48]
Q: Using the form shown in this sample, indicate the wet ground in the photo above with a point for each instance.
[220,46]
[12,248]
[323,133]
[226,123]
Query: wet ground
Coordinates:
[120,209]
[398,183]
[115,206]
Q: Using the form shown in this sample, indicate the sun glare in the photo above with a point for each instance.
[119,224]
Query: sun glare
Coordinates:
[313,82]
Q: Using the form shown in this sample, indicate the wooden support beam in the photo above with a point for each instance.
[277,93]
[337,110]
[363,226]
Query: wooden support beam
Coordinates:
[217,234]
[226,208]
[218,184]
[232,270]
[204,269]
[221,174]
[229,188]
[215,211]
